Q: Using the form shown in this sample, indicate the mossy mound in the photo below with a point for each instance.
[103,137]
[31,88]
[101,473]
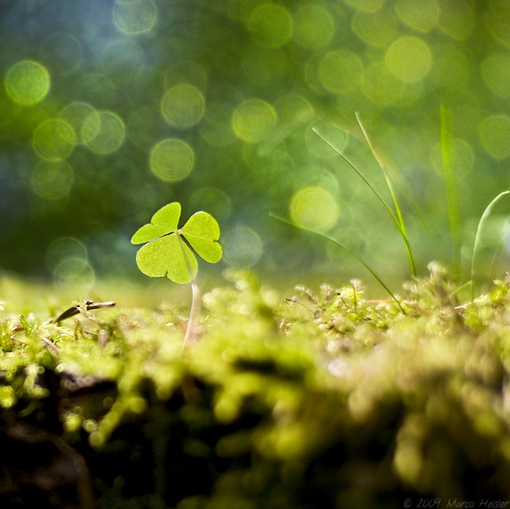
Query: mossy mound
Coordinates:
[315,401]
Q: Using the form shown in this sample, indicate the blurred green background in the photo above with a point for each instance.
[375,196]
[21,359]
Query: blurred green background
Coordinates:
[111,109]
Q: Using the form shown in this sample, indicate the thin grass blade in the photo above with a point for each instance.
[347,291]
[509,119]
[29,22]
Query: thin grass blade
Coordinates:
[479,230]
[367,182]
[395,219]
[337,242]
[400,219]
[452,193]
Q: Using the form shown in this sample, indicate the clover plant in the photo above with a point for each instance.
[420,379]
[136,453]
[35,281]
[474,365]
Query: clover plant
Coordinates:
[167,250]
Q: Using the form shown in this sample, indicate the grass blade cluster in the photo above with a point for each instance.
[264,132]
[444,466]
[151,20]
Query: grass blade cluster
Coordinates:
[397,218]
[399,221]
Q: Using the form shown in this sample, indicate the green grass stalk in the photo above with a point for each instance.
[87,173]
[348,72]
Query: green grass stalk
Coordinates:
[338,243]
[400,222]
[479,230]
[397,220]
[451,184]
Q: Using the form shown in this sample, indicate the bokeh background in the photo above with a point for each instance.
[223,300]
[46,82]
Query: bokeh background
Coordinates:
[111,109]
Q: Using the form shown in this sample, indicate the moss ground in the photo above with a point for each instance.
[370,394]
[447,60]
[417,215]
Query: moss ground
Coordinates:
[307,400]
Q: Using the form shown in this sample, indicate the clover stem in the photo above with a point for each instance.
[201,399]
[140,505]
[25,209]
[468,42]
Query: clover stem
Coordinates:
[194,315]
[194,312]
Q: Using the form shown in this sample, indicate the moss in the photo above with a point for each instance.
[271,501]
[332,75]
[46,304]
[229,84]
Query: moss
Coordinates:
[316,400]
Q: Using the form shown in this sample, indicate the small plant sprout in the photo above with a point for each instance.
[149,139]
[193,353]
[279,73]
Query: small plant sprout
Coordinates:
[167,253]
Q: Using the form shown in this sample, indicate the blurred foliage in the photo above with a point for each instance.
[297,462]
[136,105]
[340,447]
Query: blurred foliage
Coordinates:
[111,109]
[320,400]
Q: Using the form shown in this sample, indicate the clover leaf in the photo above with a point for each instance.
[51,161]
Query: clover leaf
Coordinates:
[167,253]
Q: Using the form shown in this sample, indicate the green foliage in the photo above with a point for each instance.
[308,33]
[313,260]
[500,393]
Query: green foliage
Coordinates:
[166,253]
[324,399]
[234,93]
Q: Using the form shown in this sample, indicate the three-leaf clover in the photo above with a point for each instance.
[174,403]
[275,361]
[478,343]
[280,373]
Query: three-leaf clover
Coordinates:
[167,252]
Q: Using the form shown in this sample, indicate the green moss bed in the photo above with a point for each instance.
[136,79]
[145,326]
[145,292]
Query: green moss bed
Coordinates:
[311,400]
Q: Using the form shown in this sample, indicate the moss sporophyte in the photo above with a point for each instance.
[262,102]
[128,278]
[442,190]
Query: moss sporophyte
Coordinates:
[166,251]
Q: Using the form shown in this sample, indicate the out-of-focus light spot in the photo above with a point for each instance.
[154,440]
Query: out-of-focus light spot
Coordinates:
[73,272]
[381,86]
[377,29]
[409,58]
[216,126]
[54,139]
[134,16]
[265,66]
[366,5]
[27,82]
[52,180]
[420,16]
[145,127]
[183,106]
[495,136]
[110,135]
[314,207]
[123,60]
[171,160]
[212,200]
[457,19]
[75,115]
[64,248]
[97,89]
[408,460]
[61,52]
[451,67]
[496,74]
[242,247]
[270,25]
[253,120]
[314,26]
[340,71]
[462,158]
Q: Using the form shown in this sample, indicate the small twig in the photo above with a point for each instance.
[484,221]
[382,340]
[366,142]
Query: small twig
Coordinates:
[50,343]
[75,309]
[14,340]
